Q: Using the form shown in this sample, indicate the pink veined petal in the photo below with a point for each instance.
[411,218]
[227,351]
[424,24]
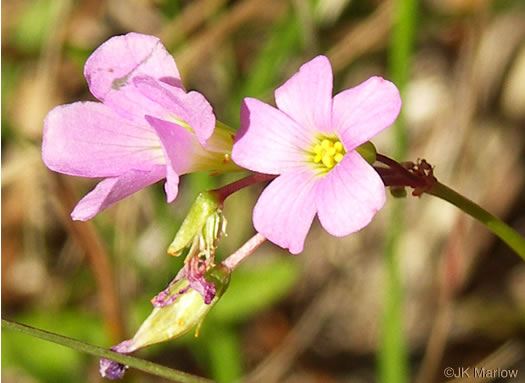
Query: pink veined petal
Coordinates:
[362,112]
[88,139]
[286,208]
[112,190]
[178,145]
[349,196]
[191,107]
[110,71]
[132,105]
[269,141]
[119,59]
[307,96]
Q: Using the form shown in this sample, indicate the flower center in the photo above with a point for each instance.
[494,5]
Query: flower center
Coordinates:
[327,152]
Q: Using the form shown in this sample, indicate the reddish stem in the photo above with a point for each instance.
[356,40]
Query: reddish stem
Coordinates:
[391,178]
[419,176]
[85,234]
[226,190]
[402,172]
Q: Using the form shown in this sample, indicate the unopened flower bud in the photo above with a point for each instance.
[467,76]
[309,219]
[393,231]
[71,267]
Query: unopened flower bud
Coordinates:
[114,370]
[368,152]
[186,312]
[398,191]
[203,225]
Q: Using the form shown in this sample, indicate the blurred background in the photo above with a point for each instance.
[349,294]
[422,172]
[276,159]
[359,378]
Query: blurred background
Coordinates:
[455,292]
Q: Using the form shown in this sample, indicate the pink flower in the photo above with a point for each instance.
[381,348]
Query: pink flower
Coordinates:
[147,127]
[310,142]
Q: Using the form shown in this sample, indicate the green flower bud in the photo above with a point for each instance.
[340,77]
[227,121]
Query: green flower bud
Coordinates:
[185,313]
[368,152]
[203,225]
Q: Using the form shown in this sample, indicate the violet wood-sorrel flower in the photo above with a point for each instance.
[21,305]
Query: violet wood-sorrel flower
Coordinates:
[147,127]
[310,142]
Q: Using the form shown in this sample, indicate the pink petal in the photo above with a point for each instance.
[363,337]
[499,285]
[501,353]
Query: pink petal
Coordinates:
[360,113]
[268,140]
[349,196]
[307,96]
[110,71]
[88,139]
[286,208]
[119,59]
[178,145]
[191,107]
[112,190]
[132,105]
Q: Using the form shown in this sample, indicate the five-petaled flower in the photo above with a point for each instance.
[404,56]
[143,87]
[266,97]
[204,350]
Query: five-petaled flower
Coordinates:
[147,127]
[310,142]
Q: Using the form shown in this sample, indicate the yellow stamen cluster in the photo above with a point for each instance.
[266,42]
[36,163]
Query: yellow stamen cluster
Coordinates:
[328,152]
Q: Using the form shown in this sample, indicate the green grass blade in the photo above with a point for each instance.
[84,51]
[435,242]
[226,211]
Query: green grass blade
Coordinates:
[139,364]
[393,359]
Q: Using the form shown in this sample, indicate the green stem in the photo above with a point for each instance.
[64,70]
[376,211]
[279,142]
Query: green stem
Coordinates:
[139,364]
[493,223]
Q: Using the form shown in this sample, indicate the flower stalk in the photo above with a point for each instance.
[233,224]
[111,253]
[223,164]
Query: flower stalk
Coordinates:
[506,233]
[225,191]
[420,177]
[244,251]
